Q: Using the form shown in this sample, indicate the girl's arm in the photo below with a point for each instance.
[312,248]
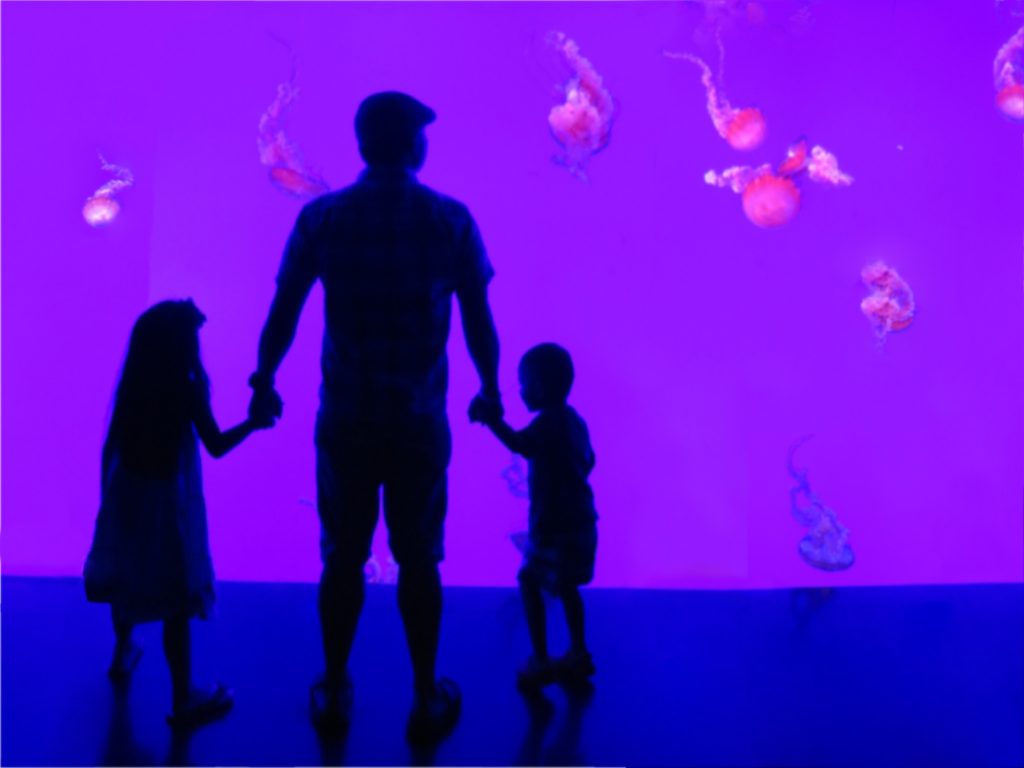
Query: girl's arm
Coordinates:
[220,443]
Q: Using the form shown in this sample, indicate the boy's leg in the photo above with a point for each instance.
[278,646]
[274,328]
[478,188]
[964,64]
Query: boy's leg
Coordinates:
[572,601]
[178,649]
[576,665]
[536,621]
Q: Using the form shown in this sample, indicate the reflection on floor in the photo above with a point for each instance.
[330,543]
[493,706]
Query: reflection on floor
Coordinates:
[909,676]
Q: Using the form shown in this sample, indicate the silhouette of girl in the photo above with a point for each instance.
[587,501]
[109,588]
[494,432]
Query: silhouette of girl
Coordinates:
[150,557]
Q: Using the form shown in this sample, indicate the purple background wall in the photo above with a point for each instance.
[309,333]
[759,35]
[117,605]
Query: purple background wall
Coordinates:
[704,346]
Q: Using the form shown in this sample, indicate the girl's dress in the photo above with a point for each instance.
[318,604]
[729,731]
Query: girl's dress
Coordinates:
[150,556]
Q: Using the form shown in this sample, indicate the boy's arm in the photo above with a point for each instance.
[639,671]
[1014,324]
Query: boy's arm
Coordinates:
[509,437]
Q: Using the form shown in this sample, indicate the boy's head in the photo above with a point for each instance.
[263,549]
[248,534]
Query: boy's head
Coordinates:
[545,376]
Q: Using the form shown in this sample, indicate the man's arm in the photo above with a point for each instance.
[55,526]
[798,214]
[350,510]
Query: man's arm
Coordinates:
[275,340]
[279,331]
[294,282]
[481,337]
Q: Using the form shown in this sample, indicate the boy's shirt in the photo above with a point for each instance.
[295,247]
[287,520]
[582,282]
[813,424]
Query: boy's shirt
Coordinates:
[556,445]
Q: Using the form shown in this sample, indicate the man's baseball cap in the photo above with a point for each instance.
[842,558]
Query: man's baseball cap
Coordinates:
[391,114]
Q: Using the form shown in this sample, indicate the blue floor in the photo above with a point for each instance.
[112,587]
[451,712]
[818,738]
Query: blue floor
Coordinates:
[859,677]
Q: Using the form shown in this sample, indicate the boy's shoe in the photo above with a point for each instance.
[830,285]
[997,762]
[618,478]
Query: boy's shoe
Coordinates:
[434,716]
[575,666]
[126,658]
[331,706]
[535,674]
[203,706]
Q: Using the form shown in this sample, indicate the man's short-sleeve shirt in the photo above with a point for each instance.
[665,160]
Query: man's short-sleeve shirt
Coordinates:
[390,252]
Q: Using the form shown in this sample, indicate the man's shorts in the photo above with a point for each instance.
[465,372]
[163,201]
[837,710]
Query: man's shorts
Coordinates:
[409,462]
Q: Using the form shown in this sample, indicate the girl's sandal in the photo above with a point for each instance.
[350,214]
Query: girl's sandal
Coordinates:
[535,674]
[204,706]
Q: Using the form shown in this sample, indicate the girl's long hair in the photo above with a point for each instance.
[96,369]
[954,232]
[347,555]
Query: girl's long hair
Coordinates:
[163,374]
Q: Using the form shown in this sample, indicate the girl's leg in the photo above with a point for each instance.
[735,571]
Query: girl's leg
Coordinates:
[536,621]
[572,601]
[122,635]
[126,652]
[178,649]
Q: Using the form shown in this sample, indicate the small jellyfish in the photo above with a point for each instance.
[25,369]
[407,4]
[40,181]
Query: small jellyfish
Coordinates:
[582,124]
[826,545]
[743,129]
[1008,71]
[515,477]
[771,197]
[375,573]
[890,307]
[520,540]
[286,169]
[101,208]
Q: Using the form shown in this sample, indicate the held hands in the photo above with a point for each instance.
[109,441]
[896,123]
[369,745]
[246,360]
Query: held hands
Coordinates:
[486,408]
[265,407]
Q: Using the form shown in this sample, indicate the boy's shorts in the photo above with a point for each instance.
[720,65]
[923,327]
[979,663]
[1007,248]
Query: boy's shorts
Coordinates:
[559,562]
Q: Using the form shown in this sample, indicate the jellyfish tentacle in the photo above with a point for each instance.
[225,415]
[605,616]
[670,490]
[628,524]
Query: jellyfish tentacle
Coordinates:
[1008,74]
[285,165]
[743,129]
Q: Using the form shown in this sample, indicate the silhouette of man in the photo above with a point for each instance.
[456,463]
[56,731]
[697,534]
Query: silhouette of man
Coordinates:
[390,253]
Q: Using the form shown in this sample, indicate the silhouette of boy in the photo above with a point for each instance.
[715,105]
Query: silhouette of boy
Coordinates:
[562,540]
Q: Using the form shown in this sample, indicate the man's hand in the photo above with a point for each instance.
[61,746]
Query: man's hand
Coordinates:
[266,405]
[486,408]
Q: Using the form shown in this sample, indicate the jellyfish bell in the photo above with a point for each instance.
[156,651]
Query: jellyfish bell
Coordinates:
[796,159]
[746,130]
[578,125]
[771,201]
[99,211]
[1010,101]
[296,183]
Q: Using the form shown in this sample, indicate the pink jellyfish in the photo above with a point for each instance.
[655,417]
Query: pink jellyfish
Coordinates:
[743,129]
[101,208]
[287,171]
[890,307]
[583,123]
[771,197]
[1008,70]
